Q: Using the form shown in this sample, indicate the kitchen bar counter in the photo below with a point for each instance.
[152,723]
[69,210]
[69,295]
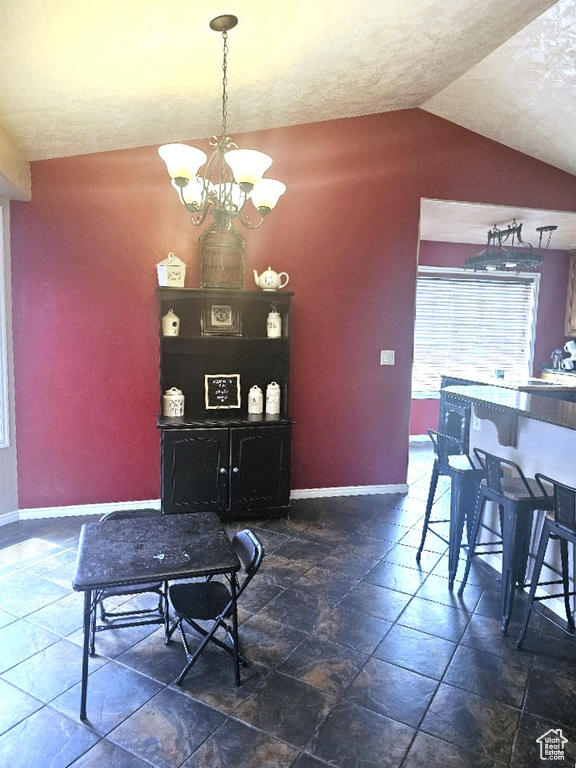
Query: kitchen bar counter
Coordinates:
[549,387]
[561,413]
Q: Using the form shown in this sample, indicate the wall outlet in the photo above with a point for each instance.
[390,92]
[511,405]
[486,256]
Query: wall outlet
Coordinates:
[387,357]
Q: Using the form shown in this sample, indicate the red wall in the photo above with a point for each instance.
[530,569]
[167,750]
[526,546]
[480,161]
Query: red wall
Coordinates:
[549,332]
[84,252]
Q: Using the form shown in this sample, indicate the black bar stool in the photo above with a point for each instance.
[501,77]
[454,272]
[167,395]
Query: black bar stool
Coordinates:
[560,524]
[517,498]
[452,461]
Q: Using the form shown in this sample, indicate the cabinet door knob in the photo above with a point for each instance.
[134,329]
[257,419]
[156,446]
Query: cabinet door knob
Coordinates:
[235,469]
[222,470]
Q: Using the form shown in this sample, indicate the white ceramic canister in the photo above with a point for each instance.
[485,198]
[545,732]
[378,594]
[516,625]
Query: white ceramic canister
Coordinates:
[173,402]
[255,400]
[274,324]
[170,324]
[273,398]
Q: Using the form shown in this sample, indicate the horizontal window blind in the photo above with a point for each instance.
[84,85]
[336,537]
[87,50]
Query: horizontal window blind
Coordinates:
[462,322]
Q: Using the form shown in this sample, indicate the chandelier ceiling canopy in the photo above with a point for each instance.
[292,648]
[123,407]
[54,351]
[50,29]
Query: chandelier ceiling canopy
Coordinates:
[232,176]
[506,251]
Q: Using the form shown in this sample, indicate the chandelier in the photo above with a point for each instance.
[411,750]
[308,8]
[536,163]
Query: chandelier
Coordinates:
[232,176]
[506,251]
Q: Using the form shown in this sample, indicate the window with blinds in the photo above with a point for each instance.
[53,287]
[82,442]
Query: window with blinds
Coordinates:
[467,322]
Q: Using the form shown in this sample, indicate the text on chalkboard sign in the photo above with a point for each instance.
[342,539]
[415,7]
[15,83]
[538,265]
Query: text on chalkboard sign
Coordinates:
[222,390]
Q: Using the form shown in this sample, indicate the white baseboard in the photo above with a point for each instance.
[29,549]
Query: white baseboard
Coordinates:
[86,509]
[9,517]
[77,510]
[351,490]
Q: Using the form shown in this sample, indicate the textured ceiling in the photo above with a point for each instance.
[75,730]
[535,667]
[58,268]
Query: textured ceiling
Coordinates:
[83,76]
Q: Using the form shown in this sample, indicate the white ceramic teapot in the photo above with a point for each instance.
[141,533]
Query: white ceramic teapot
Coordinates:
[270,280]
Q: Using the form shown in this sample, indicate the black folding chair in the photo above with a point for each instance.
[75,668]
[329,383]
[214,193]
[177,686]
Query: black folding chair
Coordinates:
[118,618]
[211,601]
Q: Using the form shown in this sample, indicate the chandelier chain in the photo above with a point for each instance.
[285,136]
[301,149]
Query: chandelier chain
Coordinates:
[224,84]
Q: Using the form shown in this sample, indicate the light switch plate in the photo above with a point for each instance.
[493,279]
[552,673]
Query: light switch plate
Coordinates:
[387,357]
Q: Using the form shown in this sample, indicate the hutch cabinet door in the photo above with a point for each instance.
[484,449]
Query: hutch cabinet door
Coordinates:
[194,470]
[260,468]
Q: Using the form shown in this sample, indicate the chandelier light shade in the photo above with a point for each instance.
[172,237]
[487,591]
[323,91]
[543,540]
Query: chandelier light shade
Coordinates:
[231,176]
[506,251]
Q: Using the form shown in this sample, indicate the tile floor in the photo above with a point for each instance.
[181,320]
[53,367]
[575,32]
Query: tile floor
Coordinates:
[358,658]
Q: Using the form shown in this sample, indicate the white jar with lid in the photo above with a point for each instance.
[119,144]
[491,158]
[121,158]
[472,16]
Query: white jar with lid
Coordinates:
[274,324]
[173,403]
[255,400]
[170,324]
[273,398]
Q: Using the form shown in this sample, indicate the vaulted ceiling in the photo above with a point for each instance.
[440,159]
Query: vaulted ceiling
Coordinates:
[83,76]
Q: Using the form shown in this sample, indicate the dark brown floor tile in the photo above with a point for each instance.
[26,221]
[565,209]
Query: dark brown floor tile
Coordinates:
[330,586]
[490,676]
[484,633]
[341,560]
[552,697]
[6,618]
[383,529]
[418,651]
[46,738]
[15,705]
[167,729]
[324,665]
[398,577]
[268,642]
[471,722]
[114,693]
[436,588]
[280,571]
[352,737]
[297,609]
[435,618]
[430,752]
[353,628]
[62,617]
[392,691]
[105,753]
[23,592]
[307,761]
[432,543]
[530,749]
[237,744]
[304,552]
[378,601]
[365,546]
[402,554]
[50,672]
[19,640]
[286,708]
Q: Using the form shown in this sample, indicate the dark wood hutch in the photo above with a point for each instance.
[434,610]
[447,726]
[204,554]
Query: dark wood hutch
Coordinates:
[224,459]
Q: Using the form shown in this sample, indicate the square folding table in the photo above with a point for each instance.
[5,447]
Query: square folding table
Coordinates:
[162,548]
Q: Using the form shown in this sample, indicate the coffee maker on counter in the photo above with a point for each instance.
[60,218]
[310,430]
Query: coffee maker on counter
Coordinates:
[569,363]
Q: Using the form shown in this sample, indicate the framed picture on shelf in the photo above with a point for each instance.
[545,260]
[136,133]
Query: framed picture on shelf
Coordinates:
[222,390]
[221,320]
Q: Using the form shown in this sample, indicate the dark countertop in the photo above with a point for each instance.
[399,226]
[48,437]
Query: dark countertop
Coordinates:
[223,417]
[519,383]
[561,413]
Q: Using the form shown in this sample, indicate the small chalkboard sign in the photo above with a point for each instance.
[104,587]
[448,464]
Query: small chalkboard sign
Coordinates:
[222,390]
